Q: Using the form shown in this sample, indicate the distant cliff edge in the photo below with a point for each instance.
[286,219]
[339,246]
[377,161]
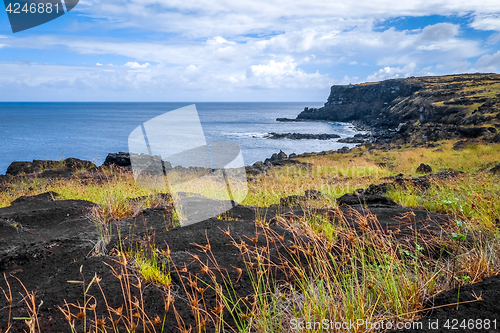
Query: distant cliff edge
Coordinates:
[454,103]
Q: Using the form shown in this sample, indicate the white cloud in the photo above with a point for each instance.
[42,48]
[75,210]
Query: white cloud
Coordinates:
[438,33]
[240,46]
[489,62]
[196,19]
[136,65]
[161,82]
[487,22]
[218,40]
[392,73]
[493,39]
[286,67]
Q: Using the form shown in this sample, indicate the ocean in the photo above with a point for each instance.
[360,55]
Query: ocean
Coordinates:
[89,131]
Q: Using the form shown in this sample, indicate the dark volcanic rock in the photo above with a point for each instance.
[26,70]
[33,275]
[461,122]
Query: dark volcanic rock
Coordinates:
[413,109]
[298,200]
[422,182]
[358,138]
[69,164]
[424,168]
[301,136]
[282,156]
[354,102]
[496,169]
[460,145]
[444,309]
[365,199]
[120,159]
[496,138]
[292,200]
[286,120]
[276,160]
[353,140]
[45,242]
[16,168]
[475,132]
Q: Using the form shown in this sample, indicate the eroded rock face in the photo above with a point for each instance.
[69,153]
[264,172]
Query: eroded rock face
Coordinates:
[120,159]
[423,108]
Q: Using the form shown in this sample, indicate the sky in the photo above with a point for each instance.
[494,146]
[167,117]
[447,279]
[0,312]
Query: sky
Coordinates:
[249,50]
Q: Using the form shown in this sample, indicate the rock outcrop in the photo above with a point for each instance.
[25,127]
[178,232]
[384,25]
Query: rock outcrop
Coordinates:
[301,136]
[69,164]
[423,108]
[424,168]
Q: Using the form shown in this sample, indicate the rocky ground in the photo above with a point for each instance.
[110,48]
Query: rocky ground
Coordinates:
[45,242]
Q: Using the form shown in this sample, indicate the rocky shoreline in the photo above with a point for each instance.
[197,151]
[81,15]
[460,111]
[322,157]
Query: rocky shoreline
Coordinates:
[301,136]
[421,109]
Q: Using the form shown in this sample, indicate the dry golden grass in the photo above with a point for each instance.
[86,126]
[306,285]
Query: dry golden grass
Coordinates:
[373,277]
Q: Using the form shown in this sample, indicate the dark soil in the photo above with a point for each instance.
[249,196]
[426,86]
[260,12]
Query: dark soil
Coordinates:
[44,242]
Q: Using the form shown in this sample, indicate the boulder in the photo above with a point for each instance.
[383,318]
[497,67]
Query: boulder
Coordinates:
[259,166]
[121,159]
[352,199]
[424,168]
[343,150]
[16,168]
[282,156]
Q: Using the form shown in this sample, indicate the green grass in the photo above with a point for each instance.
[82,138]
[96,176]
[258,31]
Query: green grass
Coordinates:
[150,267]
[470,197]
[336,275]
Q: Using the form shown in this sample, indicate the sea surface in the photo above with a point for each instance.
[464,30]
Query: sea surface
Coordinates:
[89,131]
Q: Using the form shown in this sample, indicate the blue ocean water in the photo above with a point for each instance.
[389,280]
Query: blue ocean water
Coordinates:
[51,131]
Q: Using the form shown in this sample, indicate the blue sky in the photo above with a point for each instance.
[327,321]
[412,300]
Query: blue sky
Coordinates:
[226,50]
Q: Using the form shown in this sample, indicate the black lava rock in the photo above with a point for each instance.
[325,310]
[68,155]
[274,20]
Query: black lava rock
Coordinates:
[121,159]
[367,199]
[424,168]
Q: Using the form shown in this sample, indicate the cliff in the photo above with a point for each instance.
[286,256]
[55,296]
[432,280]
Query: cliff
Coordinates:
[466,100]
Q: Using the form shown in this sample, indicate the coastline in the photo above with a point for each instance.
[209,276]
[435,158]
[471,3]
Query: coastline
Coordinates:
[97,129]
[376,218]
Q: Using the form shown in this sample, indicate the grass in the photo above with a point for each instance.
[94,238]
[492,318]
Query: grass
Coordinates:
[469,197]
[336,274]
[150,266]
